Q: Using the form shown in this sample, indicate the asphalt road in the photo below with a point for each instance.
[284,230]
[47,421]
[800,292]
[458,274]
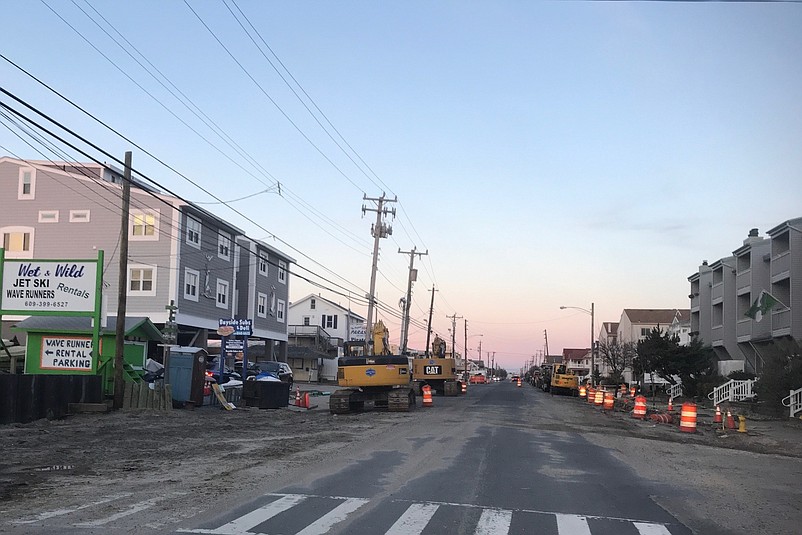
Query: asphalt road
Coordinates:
[467,465]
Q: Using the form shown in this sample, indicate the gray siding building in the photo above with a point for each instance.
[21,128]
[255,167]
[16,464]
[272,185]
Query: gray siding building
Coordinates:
[178,252]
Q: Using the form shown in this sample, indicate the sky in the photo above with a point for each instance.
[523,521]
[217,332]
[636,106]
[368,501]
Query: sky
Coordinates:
[543,154]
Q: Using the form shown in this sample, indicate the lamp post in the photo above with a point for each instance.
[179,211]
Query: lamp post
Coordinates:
[592,346]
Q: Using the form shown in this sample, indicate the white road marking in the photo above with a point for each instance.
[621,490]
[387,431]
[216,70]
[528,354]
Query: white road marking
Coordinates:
[141,506]
[645,528]
[66,511]
[338,514]
[243,524]
[414,519]
[572,525]
[494,522]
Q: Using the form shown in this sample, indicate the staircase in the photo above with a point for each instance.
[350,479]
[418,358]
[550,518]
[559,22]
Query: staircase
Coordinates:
[733,390]
[794,402]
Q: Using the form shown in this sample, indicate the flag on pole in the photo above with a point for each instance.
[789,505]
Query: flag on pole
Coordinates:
[764,303]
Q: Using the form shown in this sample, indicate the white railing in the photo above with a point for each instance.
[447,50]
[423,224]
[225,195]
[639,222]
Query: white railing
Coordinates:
[674,391]
[732,390]
[794,401]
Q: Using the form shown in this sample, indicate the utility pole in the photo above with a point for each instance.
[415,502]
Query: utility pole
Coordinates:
[466,344]
[454,319]
[413,276]
[380,229]
[122,288]
[429,325]
[546,334]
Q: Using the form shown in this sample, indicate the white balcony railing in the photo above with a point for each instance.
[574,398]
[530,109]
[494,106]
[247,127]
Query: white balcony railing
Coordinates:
[732,390]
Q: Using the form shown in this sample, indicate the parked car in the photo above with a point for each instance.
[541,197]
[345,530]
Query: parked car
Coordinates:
[279,369]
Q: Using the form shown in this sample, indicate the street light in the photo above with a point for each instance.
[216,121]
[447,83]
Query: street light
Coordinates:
[592,348]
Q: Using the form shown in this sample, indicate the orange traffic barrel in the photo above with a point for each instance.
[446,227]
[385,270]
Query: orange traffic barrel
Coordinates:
[427,395]
[622,390]
[640,408]
[687,419]
[599,397]
[583,391]
[632,391]
[591,394]
[464,387]
[609,401]
[519,381]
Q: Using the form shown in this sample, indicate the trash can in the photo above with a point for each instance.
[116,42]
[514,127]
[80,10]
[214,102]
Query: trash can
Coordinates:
[266,394]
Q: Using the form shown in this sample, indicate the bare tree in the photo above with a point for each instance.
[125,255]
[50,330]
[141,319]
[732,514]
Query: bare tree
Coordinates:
[617,358]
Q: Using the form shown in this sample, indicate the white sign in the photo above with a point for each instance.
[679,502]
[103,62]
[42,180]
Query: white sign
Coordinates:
[357,332]
[49,285]
[66,353]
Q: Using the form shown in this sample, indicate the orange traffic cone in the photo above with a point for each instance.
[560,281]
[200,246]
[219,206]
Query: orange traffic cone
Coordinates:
[670,404]
[717,417]
[730,420]
[297,396]
[306,404]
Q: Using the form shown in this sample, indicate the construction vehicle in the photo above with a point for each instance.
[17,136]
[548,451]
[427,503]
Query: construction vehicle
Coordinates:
[564,381]
[381,380]
[439,371]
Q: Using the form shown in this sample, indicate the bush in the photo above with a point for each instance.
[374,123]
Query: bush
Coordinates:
[781,374]
[741,376]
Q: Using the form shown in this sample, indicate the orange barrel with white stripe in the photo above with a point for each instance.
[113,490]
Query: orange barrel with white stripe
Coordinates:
[622,390]
[609,401]
[583,391]
[640,408]
[427,396]
[464,387]
[687,419]
[591,394]
[519,381]
[632,391]
[598,400]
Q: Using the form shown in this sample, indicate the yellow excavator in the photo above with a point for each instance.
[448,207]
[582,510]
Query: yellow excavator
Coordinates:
[381,380]
[439,371]
[564,381]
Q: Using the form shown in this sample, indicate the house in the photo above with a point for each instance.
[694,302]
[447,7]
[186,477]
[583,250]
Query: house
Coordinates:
[743,305]
[179,254]
[577,361]
[338,321]
[636,323]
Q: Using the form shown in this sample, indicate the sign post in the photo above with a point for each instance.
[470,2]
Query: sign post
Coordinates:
[234,327]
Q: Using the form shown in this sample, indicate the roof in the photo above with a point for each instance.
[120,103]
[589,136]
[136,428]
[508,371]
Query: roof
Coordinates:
[575,354]
[652,316]
[83,324]
[610,326]
[302,352]
[332,303]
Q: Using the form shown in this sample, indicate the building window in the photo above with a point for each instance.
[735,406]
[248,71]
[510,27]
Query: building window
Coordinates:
[329,322]
[282,272]
[48,216]
[27,183]
[222,293]
[644,331]
[263,263]
[312,304]
[144,225]
[307,320]
[18,242]
[280,311]
[191,278]
[79,216]
[194,228]
[141,280]
[224,246]
[261,305]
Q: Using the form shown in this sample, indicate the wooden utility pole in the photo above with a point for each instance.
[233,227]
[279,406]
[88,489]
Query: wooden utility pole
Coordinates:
[379,230]
[429,325]
[413,276]
[122,288]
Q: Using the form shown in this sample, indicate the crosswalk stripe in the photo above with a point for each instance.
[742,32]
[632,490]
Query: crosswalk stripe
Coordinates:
[414,519]
[66,511]
[645,528]
[494,522]
[338,514]
[141,506]
[243,524]
[572,525]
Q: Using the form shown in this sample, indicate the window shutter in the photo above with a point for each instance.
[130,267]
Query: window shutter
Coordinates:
[323,321]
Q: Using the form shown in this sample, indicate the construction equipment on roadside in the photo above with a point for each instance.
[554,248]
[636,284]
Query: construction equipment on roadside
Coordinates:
[564,381]
[381,380]
[717,418]
[687,418]
[439,370]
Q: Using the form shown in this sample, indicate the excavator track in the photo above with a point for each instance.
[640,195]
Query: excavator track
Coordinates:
[401,400]
[340,401]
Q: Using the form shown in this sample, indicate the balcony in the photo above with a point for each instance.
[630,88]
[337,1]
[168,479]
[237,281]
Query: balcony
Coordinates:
[743,330]
[781,323]
[312,336]
[780,264]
